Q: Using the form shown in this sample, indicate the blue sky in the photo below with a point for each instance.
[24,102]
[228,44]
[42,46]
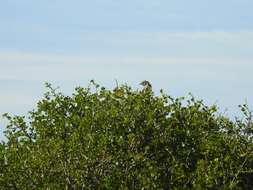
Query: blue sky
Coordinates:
[199,46]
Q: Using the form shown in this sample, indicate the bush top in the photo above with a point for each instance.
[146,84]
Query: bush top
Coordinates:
[125,139]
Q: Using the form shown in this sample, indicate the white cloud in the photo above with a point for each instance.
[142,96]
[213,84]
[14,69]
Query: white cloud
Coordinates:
[43,67]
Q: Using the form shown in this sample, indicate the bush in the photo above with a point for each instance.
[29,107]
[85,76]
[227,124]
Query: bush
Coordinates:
[125,139]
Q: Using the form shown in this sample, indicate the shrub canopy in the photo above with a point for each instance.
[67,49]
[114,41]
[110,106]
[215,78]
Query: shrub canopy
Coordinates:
[125,139]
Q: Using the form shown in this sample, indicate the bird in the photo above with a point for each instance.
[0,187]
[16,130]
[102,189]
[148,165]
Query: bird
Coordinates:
[146,86]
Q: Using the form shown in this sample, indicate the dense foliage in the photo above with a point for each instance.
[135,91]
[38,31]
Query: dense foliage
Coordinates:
[125,139]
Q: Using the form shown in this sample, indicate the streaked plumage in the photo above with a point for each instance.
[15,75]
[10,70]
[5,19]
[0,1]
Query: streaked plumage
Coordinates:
[146,86]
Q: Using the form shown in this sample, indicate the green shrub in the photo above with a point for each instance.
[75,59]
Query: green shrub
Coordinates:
[125,139]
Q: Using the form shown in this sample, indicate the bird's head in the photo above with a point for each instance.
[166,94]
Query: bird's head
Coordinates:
[145,83]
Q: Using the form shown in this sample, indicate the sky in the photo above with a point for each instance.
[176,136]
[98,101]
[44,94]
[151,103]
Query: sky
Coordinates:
[199,46]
